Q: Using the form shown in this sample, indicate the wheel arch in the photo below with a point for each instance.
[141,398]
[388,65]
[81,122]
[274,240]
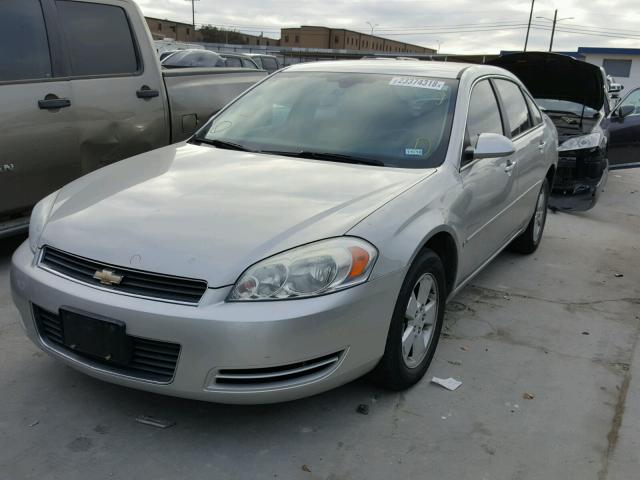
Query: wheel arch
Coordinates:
[443,242]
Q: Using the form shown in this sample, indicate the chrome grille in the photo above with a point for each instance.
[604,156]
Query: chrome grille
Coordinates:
[134,282]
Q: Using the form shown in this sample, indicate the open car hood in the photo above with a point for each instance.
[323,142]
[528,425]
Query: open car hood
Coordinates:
[555,76]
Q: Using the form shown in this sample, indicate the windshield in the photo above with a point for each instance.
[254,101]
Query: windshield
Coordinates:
[198,58]
[563,106]
[391,120]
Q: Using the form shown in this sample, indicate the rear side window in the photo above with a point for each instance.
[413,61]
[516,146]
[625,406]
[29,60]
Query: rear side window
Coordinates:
[233,62]
[269,64]
[515,106]
[484,113]
[98,39]
[248,64]
[536,117]
[24,48]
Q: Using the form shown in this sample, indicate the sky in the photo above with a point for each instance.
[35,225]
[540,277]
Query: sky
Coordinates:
[455,26]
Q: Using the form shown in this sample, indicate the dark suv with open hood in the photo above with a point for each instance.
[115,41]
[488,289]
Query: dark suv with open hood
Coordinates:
[573,94]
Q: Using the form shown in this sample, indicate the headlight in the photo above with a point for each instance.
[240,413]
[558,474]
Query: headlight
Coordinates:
[578,143]
[307,271]
[39,217]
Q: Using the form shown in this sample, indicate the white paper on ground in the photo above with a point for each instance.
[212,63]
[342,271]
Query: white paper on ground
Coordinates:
[448,383]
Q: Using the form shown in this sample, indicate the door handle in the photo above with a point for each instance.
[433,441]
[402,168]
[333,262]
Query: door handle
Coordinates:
[146,92]
[51,102]
[509,166]
[541,146]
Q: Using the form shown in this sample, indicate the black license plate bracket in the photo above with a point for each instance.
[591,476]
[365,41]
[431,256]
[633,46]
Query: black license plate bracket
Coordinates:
[101,338]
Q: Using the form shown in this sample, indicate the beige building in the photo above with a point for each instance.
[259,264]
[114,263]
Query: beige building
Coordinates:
[181,32]
[341,39]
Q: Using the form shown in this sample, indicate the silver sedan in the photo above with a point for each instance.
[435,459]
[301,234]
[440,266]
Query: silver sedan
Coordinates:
[309,233]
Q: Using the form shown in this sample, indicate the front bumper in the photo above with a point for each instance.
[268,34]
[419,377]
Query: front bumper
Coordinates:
[580,179]
[217,336]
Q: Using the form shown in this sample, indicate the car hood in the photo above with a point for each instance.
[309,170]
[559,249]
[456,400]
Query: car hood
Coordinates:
[555,76]
[208,213]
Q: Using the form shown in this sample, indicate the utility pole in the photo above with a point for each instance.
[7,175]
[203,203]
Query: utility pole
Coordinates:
[553,28]
[193,12]
[526,40]
[372,26]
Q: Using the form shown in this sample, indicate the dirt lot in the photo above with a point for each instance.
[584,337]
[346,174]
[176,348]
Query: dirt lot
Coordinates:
[545,347]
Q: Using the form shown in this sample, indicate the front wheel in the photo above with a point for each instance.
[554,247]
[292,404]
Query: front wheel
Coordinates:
[529,240]
[415,325]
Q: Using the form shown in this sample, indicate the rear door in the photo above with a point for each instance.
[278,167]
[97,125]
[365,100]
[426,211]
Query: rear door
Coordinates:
[526,130]
[116,85]
[489,185]
[624,139]
[38,141]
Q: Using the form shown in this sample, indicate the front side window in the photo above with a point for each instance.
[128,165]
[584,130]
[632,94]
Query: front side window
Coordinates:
[484,113]
[23,41]
[633,99]
[515,106]
[98,39]
[395,121]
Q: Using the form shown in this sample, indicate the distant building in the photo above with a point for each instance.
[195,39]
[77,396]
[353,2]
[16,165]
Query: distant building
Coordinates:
[623,64]
[341,39]
[181,32]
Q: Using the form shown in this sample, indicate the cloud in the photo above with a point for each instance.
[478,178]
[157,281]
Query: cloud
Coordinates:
[425,22]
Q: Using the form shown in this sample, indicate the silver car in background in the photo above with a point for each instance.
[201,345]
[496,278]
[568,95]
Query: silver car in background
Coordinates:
[309,233]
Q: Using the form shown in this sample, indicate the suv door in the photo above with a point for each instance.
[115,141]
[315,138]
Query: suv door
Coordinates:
[489,185]
[117,88]
[624,139]
[526,131]
[38,141]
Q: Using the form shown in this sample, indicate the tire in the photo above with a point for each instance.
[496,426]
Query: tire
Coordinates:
[530,239]
[399,369]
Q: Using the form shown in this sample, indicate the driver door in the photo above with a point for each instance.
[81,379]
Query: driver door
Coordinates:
[489,186]
[624,139]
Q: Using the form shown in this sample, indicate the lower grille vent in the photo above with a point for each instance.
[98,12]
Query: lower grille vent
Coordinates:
[150,359]
[285,373]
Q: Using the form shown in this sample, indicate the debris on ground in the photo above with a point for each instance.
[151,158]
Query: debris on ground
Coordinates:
[155,422]
[586,333]
[454,363]
[618,275]
[528,396]
[464,349]
[448,383]
[363,409]
[33,424]
[305,468]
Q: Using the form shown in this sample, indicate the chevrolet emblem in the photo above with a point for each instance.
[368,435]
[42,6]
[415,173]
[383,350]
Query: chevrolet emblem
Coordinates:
[108,277]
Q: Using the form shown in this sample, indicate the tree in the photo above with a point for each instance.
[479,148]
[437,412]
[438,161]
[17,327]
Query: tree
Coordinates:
[213,34]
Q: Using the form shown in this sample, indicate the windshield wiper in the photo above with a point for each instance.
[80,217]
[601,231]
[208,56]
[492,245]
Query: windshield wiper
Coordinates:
[223,144]
[332,157]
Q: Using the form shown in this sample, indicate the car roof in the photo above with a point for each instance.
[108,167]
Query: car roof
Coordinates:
[397,67]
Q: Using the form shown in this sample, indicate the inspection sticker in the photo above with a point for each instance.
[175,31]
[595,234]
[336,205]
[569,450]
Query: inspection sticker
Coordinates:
[413,151]
[417,83]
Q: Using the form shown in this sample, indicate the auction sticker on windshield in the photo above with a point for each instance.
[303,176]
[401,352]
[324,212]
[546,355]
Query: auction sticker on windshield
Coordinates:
[417,83]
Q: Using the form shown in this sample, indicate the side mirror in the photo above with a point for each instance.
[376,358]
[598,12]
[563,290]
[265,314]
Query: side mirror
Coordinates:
[625,111]
[493,145]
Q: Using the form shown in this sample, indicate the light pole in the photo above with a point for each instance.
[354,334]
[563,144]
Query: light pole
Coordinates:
[526,40]
[553,29]
[372,26]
